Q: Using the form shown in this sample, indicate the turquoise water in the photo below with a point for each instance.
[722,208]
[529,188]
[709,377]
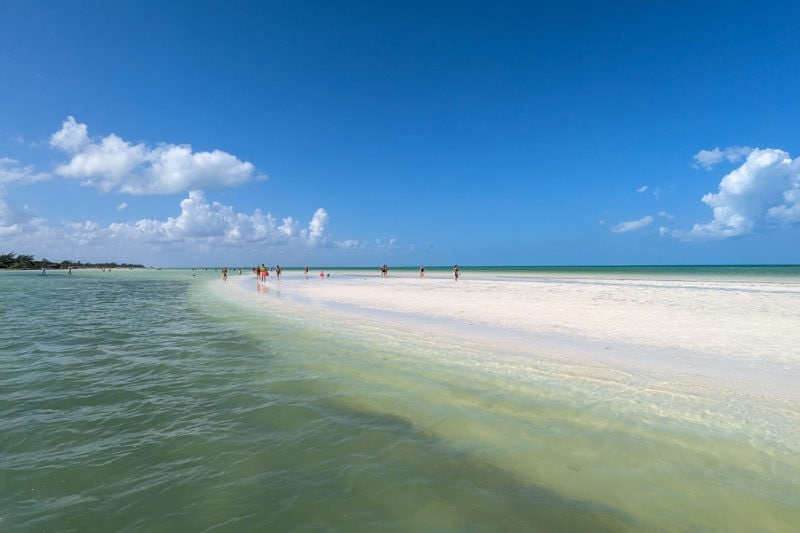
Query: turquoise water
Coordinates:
[744,272]
[154,401]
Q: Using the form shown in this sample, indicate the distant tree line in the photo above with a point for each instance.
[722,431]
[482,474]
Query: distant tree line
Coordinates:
[27,262]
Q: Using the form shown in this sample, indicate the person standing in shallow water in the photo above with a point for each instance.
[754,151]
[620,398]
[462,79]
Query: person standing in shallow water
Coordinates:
[422,271]
[224,273]
[456,272]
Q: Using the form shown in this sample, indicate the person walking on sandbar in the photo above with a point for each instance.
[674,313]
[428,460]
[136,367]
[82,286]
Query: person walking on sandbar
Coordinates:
[456,272]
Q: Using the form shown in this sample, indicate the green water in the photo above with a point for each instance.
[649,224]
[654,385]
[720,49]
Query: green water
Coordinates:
[155,401]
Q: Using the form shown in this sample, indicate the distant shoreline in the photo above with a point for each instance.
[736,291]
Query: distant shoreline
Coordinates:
[56,266]
[13,261]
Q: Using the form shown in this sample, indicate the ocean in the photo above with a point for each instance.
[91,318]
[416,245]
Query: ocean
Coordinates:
[164,400]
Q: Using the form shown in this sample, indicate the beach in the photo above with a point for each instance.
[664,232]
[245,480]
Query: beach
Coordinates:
[735,334]
[513,399]
[702,356]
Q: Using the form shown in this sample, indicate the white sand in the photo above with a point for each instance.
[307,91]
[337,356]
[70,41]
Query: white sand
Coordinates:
[741,334]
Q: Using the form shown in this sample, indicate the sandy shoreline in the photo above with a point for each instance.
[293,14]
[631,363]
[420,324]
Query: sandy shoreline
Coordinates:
[740,335]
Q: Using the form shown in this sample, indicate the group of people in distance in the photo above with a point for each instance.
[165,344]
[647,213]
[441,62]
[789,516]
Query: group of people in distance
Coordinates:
[224,273]
[262,272]
[456,271]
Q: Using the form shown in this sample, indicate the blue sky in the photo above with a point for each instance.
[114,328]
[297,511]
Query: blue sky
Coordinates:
[361,133]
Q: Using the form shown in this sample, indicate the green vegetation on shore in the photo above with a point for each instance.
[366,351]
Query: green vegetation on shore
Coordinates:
[13,261]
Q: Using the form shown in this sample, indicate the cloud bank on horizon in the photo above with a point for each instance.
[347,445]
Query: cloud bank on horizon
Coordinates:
[761,194]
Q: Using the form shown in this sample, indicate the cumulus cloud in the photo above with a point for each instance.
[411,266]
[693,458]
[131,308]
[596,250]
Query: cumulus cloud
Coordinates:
[708,158]
[114,165]
[763,193]
[316,228]
[643,188]
[201,227]
[216,223]
[71,137]
[632,225]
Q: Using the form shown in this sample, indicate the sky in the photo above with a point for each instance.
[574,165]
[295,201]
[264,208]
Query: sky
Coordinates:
[358,133]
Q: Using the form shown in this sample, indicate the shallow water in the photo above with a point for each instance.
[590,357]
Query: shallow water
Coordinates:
[164,400]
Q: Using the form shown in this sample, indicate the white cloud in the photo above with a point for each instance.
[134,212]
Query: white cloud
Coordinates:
[218,224]
[201,228]
[200,219]
[10,171]
[316,228]
[115,165]
[82,233]
[708,158]
[289,227]
[351,244]
[789,212]
[643,188]
[71,137]
[764,192]
[105,165]
[632,225]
